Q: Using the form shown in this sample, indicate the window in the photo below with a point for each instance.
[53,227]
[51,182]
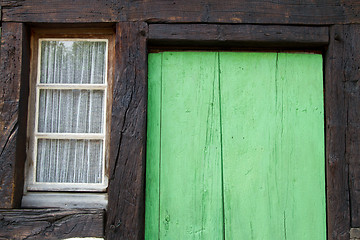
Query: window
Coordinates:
[68,122]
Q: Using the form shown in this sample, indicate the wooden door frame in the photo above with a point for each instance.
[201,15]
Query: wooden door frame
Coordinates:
[327,40]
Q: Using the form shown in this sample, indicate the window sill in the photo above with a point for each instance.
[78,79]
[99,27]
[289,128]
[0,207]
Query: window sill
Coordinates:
[64,200]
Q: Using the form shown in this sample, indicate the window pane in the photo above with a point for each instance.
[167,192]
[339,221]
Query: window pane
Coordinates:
[69,161]
[73,62]
[71,111]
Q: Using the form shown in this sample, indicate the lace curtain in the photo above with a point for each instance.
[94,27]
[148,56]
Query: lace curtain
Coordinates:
[65,106]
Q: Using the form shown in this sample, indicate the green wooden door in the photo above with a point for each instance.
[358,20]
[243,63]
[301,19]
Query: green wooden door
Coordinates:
[235,146]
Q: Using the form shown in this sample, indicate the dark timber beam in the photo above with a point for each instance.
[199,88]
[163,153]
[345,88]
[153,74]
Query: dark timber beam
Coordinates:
[351,41]
[337,168]
[50,223]
[316,12]
[270,36]
[126,207]
[14,78]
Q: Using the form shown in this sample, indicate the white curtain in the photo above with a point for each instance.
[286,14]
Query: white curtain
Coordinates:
[71,111]
[69,161]
[72,62]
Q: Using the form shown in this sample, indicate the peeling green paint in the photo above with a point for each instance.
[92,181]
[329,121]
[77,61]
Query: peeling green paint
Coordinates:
[235,146]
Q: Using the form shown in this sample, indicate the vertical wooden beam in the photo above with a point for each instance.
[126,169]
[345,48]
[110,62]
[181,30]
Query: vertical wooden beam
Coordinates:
[338,209]
[125,215]
[352,87]
[14,72]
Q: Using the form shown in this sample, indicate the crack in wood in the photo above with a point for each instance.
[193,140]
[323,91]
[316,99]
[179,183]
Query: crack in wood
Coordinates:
[12,134]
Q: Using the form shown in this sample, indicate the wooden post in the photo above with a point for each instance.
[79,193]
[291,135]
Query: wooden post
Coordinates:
[352,81]
[14,72]
[338,209]
[125,213]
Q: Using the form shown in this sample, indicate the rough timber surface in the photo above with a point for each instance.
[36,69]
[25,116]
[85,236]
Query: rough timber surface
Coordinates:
[338,208]
[272,36]
[13,70]
[34,224]
[125,215]
[352,88]
[308,12]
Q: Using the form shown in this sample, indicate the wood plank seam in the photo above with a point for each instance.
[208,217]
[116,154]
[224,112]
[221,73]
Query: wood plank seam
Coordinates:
[221,149]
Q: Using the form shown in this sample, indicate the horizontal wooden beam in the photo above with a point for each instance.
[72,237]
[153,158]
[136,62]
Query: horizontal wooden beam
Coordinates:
[316,12]
[238,35]
[50,223]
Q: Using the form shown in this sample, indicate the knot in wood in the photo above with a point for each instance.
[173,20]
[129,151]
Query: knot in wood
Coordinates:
[143,32]
[337,37]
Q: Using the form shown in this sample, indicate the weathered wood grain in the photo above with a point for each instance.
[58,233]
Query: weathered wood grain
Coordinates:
[153,146]
[338,212]
[125,216]
[352,87]
[14,70]
[273,145]
[183,174]
[42,11]
[316,12]
[19,224]
[212,35]
[259,11]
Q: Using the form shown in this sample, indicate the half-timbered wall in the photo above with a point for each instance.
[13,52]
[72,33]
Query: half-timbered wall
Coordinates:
[329,27]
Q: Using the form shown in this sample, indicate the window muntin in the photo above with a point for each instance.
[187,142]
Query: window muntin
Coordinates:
[68,137]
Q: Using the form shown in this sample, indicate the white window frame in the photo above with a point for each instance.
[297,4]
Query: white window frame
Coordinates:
[68,195]
[32,185]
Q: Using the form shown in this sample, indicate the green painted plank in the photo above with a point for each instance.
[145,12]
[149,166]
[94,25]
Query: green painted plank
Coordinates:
[272,140]
[153,147]
[300,144]
[247,104]
[273,145]
[190,178]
